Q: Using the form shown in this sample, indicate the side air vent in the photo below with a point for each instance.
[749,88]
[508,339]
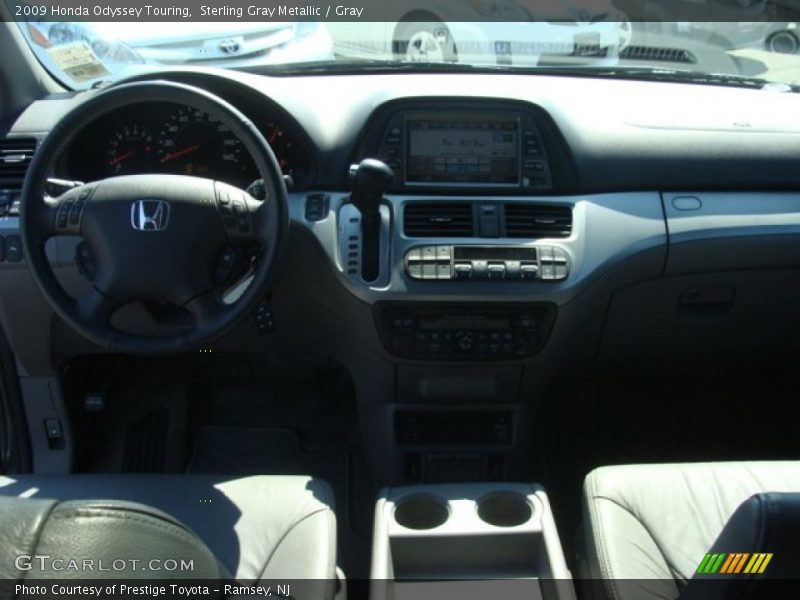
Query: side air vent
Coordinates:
[15,157]
[438,219]
[538,221]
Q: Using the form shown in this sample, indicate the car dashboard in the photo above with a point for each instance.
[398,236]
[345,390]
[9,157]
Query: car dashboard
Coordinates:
[536,226]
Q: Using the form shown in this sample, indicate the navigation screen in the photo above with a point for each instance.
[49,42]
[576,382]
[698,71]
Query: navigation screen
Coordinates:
[457,149]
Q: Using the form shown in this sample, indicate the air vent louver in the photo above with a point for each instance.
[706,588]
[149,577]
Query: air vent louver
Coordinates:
[657,53]
[438,219]
[538,221]
[15,157]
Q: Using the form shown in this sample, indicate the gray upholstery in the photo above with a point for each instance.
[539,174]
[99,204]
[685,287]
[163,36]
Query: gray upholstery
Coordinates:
[262,528]
[97,539]
[647,527]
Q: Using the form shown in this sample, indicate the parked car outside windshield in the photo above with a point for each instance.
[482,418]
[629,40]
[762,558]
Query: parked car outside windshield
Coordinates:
[752,52]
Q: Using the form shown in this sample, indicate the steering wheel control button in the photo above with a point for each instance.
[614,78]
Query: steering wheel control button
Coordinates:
[265,319]
[87,266]
[227,216]
[226,265]
[77,208]
[70,211]
[63,213]
[232,203]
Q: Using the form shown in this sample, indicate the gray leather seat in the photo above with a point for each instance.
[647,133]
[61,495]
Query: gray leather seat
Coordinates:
[648,527]
[262,528]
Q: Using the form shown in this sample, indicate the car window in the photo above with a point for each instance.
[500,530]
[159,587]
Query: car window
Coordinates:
[583,36]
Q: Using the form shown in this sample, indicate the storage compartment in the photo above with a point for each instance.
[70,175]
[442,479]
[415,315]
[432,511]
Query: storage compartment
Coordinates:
[457,385]
[691,325]
[482,556]
[489,533]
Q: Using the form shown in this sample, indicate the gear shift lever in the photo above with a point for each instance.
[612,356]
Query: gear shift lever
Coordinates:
[372,179]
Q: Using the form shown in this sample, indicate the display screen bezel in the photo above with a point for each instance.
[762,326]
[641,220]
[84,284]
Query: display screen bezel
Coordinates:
[476,116]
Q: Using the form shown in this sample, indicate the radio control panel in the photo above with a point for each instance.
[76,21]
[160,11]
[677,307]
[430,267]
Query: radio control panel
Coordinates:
[465,332]
[485,263]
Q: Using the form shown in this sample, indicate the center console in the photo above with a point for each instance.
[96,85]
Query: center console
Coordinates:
[473,540]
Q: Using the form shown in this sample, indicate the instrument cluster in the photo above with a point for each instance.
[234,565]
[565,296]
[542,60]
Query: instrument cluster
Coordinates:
[178,140]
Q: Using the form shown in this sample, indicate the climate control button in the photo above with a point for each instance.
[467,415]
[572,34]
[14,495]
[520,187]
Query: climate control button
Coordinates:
[488,263]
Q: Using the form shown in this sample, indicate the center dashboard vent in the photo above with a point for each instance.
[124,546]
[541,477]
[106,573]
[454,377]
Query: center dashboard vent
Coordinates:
[525,220]
[15,157]
[438,219]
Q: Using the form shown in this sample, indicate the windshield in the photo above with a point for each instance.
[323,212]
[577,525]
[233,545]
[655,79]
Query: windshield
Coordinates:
[750,47]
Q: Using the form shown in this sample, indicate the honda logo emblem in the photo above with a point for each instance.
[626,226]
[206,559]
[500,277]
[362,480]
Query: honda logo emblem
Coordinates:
[149,215]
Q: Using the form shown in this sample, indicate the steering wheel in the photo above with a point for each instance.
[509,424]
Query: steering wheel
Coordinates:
[154,237]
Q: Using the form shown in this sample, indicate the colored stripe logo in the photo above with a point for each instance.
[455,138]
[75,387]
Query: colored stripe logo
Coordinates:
[734,563]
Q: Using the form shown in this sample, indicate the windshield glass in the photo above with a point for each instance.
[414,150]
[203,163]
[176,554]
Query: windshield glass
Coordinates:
[750,47]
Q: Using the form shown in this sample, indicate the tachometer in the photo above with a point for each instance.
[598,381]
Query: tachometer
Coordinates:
[129,150]
[192,143]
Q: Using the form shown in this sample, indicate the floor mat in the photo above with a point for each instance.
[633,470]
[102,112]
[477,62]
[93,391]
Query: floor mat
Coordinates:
[146,441]
[270,451]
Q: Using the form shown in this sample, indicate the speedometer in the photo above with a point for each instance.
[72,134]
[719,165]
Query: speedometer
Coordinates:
[190,142]
[129,150]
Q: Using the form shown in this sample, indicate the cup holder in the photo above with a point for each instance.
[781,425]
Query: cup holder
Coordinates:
[421,511]
[504,509]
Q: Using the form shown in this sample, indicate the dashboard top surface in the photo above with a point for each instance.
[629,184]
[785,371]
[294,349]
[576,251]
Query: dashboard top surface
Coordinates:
[614,135]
